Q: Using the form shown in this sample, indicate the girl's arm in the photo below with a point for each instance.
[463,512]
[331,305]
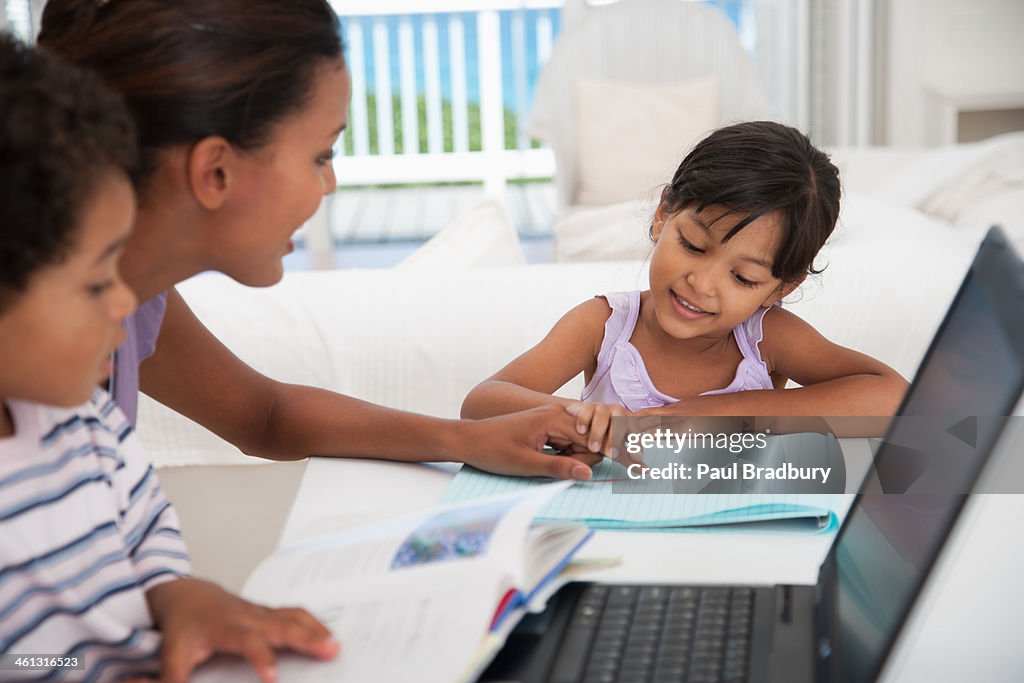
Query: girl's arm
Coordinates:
[195,374]
[530,380]
[835,380]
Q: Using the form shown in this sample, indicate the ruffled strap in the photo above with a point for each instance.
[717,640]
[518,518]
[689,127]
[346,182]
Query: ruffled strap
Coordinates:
[617,330]
[752,372]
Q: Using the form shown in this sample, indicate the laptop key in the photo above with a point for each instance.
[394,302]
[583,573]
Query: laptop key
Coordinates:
[572,657]
[657,634]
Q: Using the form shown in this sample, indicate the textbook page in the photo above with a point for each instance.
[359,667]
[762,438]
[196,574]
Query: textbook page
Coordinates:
[424,586]
[440,540]
[409,633]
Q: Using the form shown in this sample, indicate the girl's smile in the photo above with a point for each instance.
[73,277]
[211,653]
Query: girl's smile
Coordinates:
[686,309]
[703,282]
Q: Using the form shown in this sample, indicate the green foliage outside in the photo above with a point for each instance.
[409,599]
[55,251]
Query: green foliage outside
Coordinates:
[473,114]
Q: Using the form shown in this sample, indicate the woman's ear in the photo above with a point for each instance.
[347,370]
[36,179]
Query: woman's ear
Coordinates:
[782,291]
[210,168]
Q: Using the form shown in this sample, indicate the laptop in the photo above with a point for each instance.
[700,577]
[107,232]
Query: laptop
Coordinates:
[844,627]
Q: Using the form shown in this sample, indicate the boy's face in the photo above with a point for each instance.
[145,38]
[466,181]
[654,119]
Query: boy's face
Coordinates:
[57,337]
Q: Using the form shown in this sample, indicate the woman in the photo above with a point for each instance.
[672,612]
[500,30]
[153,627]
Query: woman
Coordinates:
[238,104]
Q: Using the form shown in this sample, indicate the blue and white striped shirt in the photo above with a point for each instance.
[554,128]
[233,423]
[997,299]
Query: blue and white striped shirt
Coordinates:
[85,531]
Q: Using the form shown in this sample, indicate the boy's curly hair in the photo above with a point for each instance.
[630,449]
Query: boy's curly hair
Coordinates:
[61,130]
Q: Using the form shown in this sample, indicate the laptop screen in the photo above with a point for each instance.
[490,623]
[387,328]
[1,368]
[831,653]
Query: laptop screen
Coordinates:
[975,367]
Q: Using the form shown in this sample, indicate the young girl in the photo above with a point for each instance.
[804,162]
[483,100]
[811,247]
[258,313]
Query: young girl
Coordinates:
[736,231]
[238,104]
[94,575]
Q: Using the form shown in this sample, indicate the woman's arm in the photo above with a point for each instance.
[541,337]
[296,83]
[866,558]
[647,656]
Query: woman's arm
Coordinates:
[530,380]
[195,374]
[835,381]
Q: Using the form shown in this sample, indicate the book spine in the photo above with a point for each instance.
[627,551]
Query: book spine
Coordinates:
[514,598]
[509,602]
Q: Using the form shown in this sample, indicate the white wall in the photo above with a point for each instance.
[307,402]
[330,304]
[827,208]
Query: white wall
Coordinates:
[966,50]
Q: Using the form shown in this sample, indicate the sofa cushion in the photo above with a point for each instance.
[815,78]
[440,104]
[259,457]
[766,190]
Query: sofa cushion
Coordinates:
[421,343]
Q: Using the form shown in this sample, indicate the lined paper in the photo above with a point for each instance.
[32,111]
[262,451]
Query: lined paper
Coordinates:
[613,501]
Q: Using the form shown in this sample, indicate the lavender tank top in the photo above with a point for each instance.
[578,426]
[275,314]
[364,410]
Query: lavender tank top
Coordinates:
[621,376]
[142,328]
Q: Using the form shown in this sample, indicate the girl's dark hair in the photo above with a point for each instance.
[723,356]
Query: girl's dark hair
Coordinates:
[190,69]
[758,167]
[61,131]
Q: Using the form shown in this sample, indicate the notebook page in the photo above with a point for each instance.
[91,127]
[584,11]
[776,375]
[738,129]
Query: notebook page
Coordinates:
[613,500]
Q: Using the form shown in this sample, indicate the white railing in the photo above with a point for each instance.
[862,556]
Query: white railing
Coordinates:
[367,152]
[432,46]
[20,17]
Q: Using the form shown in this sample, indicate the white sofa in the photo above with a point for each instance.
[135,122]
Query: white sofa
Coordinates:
[419,336]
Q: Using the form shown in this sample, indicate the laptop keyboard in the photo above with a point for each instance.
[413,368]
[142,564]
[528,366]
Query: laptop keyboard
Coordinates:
[661,634]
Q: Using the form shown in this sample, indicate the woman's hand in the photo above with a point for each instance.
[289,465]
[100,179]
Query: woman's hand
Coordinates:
[199,618]
[514,443]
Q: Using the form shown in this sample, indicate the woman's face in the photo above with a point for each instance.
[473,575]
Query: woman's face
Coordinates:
[280,185]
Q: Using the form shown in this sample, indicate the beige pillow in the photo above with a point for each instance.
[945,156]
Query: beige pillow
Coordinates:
[617,232]
[630,137]
[482,236]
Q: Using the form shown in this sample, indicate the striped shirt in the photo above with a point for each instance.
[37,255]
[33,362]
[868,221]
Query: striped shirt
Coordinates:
[85,531]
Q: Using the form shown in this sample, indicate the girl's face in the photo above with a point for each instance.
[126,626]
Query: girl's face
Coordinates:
[280,186]
[57,337]
[702,287]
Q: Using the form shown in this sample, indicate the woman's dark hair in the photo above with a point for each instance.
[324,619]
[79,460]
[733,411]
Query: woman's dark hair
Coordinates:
[191,69]
[758,167]
[61,132]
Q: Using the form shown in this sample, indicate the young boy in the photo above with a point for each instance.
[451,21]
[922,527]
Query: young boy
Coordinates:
[92,565]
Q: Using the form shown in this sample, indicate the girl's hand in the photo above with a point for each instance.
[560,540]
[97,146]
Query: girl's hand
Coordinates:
[594,420]
[575,451]
[199,618]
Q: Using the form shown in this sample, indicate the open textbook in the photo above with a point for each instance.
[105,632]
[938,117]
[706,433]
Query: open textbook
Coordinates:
[777,487]
[414,598]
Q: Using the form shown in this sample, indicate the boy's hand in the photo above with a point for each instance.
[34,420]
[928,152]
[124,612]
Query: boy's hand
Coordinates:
[199,619]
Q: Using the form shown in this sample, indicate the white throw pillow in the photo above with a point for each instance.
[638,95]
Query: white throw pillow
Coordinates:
[1005,209]
[867,219]
[482,236]
[632,136]
[619,232]
[946,182]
